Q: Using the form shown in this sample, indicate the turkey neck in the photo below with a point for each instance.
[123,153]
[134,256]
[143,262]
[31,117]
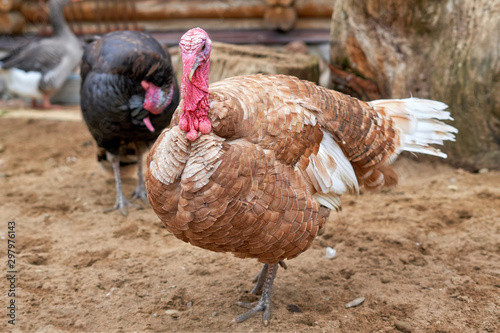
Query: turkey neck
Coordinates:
[195,106]
[56,17]
[195,92]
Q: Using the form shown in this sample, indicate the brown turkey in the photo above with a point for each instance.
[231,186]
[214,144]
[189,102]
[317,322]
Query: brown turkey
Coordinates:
[253,165]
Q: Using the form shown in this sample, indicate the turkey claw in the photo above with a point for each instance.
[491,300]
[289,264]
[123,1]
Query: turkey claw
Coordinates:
[255,307]
[140,193]
[248,305]
[122,208]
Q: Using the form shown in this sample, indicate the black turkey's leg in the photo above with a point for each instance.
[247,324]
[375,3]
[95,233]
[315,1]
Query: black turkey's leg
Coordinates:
[140,190]
[264,304]
[121,203]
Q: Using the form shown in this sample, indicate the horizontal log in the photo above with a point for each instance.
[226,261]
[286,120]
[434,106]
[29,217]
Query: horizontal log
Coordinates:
[11,23]
[283,3]
[280,18]
[92,10]
[84,28]
[316,8]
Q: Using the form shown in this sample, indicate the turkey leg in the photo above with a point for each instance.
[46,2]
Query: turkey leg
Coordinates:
[260,278]
[121,203]
[140,190]
[264,304]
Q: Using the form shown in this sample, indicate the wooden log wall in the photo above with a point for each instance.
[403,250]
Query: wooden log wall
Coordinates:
[97,16]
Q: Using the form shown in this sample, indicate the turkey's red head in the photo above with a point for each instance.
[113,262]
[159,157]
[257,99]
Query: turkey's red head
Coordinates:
[195,49]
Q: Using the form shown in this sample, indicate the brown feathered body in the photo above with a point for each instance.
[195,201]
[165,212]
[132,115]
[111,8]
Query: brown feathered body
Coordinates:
[280,154]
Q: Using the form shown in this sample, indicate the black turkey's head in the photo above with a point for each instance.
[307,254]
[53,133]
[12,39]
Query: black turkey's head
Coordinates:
[156,99]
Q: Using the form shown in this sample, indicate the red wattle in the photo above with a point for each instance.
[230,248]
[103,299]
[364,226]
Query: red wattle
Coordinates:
[205,126]
[184,122]
[192,135]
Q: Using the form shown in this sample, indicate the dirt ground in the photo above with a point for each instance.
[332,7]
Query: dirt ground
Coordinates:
[425,255]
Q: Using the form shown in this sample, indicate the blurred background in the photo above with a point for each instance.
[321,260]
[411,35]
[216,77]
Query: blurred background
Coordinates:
[368,49]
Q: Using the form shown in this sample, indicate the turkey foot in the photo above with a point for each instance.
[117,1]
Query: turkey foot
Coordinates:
[140,193]
[264,304]
[121,205]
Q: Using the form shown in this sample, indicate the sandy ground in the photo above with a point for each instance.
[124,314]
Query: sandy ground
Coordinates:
[425,255]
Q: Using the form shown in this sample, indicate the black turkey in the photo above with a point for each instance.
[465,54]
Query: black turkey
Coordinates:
[128,95]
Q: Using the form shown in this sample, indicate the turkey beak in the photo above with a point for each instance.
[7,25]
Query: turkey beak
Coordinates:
[193,69]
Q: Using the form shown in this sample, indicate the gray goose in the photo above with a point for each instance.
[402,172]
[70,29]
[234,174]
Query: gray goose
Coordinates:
[38,70]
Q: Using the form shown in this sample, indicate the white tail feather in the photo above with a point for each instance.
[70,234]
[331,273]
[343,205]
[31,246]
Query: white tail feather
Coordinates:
[419,123]
[331,173]
[425,150]
[329,200]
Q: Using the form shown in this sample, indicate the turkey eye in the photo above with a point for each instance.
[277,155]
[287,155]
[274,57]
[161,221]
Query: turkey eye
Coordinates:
[203,47]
